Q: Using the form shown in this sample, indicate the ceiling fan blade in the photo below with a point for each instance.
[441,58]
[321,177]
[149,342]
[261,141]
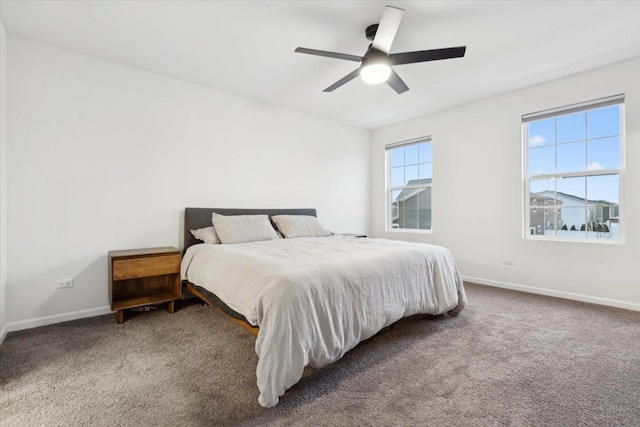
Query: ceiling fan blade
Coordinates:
[427,55]
[388,28]
[397,83]
[334,55]
[346,79]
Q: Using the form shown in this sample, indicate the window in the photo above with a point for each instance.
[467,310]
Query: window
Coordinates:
[574,164]
[409,174]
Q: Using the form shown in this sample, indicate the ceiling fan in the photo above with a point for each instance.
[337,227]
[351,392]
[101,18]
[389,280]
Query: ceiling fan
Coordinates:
[375,65]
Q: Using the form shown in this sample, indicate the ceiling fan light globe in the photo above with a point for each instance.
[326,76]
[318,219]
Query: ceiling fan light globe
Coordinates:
[375,73]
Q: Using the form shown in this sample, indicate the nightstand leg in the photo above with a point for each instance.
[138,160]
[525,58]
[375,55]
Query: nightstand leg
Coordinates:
[170,307]
[120,317]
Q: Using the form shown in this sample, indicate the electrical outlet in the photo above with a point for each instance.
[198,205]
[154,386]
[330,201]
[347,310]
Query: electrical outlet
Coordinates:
[507,261]
[64,283]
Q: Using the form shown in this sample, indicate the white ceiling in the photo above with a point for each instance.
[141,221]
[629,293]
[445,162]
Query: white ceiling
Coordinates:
[247,48]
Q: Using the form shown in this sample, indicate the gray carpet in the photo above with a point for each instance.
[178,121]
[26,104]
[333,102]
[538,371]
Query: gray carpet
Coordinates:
[509,359]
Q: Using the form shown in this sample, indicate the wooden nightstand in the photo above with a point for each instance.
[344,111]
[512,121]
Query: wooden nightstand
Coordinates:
[139,277]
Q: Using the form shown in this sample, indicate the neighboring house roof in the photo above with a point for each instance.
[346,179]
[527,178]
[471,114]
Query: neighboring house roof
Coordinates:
[579,199]
[412,192]
[541,197]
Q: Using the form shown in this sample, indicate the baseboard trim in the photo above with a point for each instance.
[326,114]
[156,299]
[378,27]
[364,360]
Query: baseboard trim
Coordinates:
[57,318]
[3,333]
[554,293]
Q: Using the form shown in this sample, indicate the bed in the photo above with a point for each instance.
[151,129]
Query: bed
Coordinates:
[309,300]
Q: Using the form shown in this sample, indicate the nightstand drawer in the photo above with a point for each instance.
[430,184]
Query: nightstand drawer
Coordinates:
[134,268]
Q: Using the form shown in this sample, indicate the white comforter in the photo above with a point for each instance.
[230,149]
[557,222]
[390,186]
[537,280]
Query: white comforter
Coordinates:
[316,298]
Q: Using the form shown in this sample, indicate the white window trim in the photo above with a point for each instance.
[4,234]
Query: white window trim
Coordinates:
[600,103]
[388,189]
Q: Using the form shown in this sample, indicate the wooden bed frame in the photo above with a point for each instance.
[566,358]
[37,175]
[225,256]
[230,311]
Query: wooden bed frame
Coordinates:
[195,218]
[253,329]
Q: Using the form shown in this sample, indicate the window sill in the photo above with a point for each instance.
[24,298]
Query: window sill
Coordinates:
[569,240]
[408,230]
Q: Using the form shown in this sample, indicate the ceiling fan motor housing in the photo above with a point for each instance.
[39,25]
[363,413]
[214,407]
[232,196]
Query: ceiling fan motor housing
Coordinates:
[374,56]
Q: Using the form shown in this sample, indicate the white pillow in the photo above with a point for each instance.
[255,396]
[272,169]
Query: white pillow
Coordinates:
[300,226]
[243,228]
[207,235]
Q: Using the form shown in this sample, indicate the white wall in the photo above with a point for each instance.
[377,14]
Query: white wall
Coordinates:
[477,192]
[3,182]
[106,157]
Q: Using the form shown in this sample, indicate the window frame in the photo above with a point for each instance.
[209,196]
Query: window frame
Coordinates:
[618,100]
[389,189]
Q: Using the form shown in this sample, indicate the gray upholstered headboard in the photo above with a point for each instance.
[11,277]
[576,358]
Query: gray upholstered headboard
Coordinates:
[201,217]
